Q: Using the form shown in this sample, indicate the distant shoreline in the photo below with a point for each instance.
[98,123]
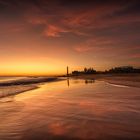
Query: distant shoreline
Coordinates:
[132,80]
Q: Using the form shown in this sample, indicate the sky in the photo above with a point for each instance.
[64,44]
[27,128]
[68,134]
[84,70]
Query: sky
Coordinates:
[42,37]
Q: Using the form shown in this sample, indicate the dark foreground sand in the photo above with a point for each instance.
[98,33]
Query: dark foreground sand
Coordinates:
[119,79]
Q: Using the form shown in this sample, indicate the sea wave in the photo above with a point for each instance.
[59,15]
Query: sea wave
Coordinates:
[21,84]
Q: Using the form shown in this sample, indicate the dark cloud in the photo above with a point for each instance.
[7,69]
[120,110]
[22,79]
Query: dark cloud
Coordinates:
[102,24]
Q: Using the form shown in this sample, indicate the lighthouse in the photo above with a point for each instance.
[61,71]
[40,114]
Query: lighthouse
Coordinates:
[67,71]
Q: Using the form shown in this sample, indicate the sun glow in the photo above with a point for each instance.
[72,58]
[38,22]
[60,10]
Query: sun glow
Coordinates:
[32,68]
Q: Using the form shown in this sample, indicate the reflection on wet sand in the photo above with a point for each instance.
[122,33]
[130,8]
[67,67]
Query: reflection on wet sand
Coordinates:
[68,82]
[77,81]
[96,111]
[89,81]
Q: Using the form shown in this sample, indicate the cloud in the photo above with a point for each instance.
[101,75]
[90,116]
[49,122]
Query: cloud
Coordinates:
[54,31]
[77,17]
[95,44]
[108,47]
[135,55]
[91,29]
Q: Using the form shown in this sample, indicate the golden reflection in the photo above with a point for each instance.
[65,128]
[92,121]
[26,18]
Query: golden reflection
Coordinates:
[89,81]
[68,82]
[56,128]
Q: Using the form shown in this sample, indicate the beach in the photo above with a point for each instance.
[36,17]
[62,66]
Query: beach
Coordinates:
[120,79]
[69,70]
[15,85]
[72,109]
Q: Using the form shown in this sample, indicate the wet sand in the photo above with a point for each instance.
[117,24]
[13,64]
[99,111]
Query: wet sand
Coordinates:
[72,109]
[12,90]
[120,79]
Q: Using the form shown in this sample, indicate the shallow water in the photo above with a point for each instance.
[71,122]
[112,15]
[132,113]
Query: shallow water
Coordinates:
[72,109]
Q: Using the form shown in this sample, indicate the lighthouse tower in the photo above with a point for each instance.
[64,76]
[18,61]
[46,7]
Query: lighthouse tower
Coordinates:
[67,71]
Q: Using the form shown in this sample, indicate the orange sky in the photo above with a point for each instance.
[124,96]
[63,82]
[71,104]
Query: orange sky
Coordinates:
[39,37]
